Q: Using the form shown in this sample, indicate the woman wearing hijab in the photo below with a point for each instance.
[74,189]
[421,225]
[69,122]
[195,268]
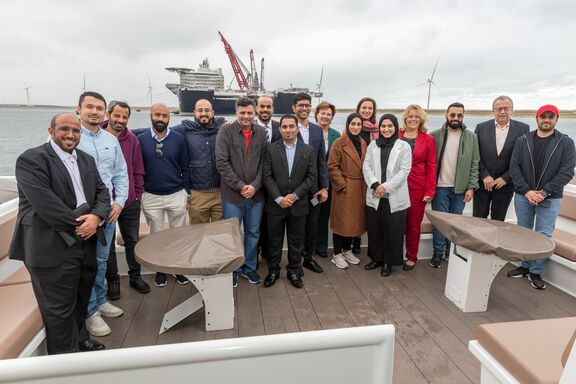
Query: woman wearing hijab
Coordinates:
[386,168]
[422,177]
[347,212]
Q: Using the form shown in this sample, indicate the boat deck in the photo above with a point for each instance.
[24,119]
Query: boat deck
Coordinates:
[431,333]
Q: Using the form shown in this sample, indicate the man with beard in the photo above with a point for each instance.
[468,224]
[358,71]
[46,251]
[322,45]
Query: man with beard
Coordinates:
[240,149]
[264,112]
[311,134]
[496,139]
[62,202]
[167,177]
[205,202]
[457,157]
[542,164]
[129,219]
[106,151]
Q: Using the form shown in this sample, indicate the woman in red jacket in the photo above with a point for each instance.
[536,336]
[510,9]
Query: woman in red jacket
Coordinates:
[422,177]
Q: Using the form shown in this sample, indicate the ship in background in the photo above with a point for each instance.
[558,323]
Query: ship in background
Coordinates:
[207,83]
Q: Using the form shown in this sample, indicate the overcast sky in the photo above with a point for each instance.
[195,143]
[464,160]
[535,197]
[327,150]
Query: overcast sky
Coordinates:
[383,49]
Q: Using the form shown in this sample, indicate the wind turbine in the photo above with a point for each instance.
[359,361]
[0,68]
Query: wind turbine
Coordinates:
[27,90]
[430,81]
[319,85]
[149,94]
[83,88]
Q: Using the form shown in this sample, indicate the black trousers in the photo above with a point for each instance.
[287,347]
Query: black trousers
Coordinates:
[312,223]
[263,239]
[62,293]
[129,225]
[341,243]
[495,202]
[386,234]
[294,227]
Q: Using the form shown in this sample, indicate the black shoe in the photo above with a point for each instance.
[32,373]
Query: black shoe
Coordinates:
[295,280]
[408,267]
[386,269]
[436,261]
[312,265]
[536,281]
[180,279]
[90,345]
[113,290]
[372,265]
[139,285]
[160,279]
[447,255]
[322,253]
[271,278]
[356,242]
[518,272]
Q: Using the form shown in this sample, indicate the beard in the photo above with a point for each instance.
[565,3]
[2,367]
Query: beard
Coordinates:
[454,124]
[117,127]
[159,126]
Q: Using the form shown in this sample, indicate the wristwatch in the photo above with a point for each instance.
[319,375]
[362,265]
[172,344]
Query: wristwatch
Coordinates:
[544,194]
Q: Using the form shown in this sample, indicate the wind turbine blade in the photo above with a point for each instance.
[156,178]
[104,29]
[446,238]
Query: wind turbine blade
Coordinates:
[434,71]
[421,84]
[436,86]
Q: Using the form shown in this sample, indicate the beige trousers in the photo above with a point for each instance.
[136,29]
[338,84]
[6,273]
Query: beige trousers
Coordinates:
[157,207]
[204,207]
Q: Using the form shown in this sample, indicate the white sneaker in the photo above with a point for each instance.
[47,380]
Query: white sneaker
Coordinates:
[109,310]
[339,261]
[97,326]
[350,257]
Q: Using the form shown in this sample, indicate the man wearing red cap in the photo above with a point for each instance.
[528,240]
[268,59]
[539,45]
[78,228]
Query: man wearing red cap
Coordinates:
[542,164]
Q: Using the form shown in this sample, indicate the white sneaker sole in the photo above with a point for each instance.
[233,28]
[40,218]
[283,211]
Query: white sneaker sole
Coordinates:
[339,266]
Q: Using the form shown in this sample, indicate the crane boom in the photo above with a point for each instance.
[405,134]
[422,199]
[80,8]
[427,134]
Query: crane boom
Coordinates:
[238,73]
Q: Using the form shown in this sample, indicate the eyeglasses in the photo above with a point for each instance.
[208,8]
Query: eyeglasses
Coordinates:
[159,149]
[303,106]
[458,115]
[503,109]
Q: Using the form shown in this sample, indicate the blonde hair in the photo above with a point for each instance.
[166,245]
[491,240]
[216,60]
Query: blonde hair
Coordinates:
[421,114]
[324,105]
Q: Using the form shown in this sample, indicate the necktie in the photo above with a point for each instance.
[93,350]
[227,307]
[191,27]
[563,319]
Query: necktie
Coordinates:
[268,138]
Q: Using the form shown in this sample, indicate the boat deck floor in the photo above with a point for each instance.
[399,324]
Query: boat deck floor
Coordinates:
[431,333]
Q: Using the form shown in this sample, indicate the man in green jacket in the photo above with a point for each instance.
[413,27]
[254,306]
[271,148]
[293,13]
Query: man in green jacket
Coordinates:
[457,156]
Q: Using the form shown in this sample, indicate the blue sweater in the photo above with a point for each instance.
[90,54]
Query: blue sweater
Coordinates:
[169,173]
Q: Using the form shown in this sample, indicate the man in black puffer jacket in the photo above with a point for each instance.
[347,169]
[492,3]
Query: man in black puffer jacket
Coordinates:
[204,204]
[542,164]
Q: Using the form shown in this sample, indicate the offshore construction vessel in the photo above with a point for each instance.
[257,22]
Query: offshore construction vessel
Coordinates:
[207,83]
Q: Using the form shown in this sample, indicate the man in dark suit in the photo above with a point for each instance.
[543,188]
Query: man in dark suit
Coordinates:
[264,112]
[63,202]
[496,139]
[311,134]
[288,173]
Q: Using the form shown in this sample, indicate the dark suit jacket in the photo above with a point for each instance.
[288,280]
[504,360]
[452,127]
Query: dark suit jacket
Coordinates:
[44,232]
[279,183]
[316,141]
[492,164]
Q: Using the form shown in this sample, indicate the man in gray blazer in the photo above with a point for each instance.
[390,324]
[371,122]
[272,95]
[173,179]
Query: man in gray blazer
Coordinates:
[289,173]
[496,139]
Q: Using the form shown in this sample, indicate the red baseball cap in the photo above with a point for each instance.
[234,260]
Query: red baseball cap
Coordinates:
[547,108]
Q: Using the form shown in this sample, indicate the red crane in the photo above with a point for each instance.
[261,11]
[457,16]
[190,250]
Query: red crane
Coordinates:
[238,73]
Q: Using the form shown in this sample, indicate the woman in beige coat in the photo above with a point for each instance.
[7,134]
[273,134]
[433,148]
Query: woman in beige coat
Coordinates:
[347,212]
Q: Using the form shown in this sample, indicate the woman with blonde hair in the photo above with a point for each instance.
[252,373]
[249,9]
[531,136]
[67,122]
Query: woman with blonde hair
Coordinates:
[422,177]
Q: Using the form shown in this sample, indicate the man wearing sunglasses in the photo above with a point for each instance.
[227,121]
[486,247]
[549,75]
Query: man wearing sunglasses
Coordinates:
[457,157]
[166,179]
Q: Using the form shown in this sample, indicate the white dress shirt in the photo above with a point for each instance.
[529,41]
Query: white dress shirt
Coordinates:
[70,161]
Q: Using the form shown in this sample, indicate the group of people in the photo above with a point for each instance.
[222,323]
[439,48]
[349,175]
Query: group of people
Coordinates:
[289,176]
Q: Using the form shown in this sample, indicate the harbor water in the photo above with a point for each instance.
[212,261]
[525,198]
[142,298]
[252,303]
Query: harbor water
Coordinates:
[25,128]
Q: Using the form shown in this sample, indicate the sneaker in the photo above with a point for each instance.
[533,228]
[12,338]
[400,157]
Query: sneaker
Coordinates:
[109,310]
[349,256]
[160,279]
[139,285]
[518,272]
[253,277]
[180,279]
[536,281]
[235,279]
[339,261]
[97,326]
[436,261]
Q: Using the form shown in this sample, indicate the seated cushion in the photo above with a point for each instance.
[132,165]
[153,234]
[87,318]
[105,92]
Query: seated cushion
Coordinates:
[20,319]
[530,350]
[426,225]
[7,223]
[568,207]
[19,277]
[565,244]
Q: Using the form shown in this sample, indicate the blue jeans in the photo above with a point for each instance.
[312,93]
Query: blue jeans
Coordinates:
[250,213]
[98,295]
[545,221]
[445,200]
